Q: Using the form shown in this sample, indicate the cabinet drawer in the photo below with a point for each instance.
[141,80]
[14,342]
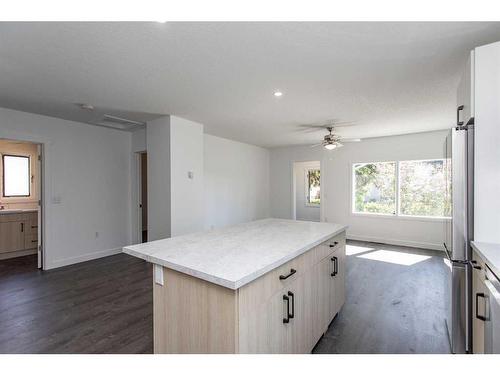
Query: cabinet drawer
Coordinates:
[7,218]
[31,241]
[267,285]
[479,267]
[328,247]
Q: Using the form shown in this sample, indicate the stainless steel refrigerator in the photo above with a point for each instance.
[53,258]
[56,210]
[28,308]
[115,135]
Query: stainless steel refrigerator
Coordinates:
[459,231]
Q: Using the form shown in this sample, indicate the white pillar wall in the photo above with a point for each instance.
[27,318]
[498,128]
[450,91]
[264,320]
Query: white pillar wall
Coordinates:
[175,177]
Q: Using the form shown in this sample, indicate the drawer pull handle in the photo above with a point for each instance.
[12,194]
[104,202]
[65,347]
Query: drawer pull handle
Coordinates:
[334,244]
[335,266]
[290,316]
[34,240]
[287,318]
[34,226]
[283,277]
[480,317]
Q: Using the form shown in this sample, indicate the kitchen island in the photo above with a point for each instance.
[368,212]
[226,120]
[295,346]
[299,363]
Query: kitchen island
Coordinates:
[268,286]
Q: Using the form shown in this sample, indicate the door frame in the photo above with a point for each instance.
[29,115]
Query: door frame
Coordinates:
[41,251]
[294,187]
[138,200]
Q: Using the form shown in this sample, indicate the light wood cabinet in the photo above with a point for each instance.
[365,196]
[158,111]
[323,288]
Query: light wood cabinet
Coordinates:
[478,304]
[12,236]
[465,92]
[287,310]
[18,232]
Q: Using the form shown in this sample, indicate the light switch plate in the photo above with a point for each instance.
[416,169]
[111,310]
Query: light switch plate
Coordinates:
[158,274]
[190,175]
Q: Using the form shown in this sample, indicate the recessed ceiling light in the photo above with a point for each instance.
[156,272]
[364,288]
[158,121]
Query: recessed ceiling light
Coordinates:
[278,93]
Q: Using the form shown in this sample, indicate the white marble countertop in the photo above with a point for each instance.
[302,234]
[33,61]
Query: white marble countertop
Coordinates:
[7,211]
[490,252]
[236,255]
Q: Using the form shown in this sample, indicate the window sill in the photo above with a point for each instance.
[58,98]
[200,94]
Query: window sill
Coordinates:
[312,205]
[401,217]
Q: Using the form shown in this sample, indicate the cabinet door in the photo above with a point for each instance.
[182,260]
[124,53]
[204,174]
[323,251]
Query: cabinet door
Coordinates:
[262,328]
[339,280]
[302,302]
[465,92]
[12,236]
[478,290]
[322,296]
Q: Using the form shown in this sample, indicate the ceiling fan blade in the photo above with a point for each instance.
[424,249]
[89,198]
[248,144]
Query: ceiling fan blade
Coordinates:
[326,124]
[351,140]
[316,145]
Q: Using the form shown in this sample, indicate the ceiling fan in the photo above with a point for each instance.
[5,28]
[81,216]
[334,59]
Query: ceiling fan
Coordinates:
[332,141]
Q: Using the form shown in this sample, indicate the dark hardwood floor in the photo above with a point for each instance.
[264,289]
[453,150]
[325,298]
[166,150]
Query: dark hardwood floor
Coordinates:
[394,302]
[100,306]
[105,305]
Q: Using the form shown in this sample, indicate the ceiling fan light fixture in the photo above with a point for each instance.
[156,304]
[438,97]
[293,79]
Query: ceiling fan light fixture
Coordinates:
[330,146]
[278,93]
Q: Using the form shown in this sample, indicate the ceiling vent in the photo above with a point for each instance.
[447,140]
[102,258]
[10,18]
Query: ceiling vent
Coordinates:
[121,123]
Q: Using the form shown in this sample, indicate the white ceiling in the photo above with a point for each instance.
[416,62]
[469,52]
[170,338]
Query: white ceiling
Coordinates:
[389,78]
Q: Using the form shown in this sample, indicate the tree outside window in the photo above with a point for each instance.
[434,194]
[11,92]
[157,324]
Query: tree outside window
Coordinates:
[406,188]
[375,188]
[313,187]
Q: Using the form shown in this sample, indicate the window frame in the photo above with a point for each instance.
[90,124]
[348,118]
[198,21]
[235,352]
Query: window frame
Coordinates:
[306,186]
[29,176]
[397,214]
[353,195]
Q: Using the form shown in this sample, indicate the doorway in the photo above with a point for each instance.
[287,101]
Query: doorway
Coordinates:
[142,197]
[21,201]
[306,195]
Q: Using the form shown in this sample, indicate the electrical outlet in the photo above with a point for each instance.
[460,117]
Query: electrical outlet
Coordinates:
[190,175]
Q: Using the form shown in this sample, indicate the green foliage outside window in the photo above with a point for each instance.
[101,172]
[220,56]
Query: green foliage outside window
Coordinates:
[375,187]
[313,183]
[424,188]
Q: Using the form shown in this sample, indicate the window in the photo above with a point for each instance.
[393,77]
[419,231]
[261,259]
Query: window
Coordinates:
[422,186]
[16,176]
[313,187]
[375,188]
[405,188]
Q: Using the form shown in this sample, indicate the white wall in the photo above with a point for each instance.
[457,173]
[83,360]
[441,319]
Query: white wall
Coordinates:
[186,155]
[336,194]
[487,144]
[158,147]
[236,182]
[303,211]
[88,168]
[175,148]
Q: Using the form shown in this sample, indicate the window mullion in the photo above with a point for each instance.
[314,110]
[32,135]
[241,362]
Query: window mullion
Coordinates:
[397,187]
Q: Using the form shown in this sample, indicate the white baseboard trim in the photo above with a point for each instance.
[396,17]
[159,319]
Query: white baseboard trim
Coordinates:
[82,258]
[390,241]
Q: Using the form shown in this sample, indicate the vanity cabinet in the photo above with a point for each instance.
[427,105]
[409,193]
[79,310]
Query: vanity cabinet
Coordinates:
[18,233]
[12,236]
